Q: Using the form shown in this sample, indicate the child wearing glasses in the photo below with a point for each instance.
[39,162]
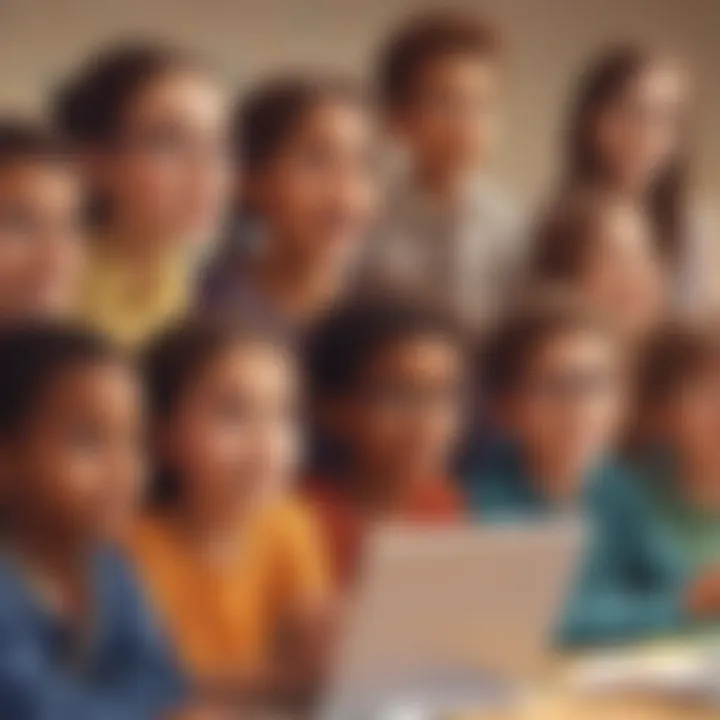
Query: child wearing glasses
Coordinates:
[148,125]
[554,377]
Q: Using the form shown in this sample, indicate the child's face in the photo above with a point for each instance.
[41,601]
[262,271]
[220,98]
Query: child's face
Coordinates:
[318,195]
[451,125]
[640,134]
[568,409]
[41,243]
[624,276]
[235,436]
[78,462]
[406,418]
[691,420]
[168,177]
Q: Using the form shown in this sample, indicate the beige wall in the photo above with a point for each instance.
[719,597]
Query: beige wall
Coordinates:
[41,39]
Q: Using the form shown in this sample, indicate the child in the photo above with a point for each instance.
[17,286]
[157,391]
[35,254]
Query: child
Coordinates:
[447,233]
[76,640]
[41,243]
[388,383]
[680,465]
[230,558]
[629,135]
[305,153]
[604,248]
[554,378]
[148,125]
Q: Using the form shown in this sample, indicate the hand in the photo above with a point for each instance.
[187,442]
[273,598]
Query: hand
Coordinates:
[702,599]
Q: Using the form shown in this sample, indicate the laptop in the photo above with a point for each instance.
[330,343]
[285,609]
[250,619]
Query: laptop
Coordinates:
[451,618]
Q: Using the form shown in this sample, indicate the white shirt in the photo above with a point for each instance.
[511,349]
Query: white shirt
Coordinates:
[467,259]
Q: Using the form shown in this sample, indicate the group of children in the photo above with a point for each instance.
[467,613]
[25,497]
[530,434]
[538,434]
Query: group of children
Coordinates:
[225,354]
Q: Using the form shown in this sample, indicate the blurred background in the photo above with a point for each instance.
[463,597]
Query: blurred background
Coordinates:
[549,41]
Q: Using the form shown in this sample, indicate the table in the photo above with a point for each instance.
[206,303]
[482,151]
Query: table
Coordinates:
[560,707]
[557,699]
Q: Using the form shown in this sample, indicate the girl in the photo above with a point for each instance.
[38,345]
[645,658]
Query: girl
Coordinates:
[604,248]
[231,560]
[77,639]
[148,124]
[308,192]
[628,135]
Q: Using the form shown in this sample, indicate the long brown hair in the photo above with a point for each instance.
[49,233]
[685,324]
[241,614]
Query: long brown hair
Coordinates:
[603,83]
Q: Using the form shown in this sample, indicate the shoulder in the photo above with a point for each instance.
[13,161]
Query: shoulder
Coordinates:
[494,494]
[500,211]
[498,486]
[336,517]
[617,490]
[289,519]
[441,501]
[496,200]
[150,543]
[116,572]
[292,541]
[13,595]
[148,530]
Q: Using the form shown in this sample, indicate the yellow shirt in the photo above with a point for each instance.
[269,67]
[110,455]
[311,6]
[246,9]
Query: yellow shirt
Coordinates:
[112,302]
[224,618]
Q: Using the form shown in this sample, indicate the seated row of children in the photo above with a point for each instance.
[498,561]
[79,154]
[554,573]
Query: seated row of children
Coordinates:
[157,201]
[162,551]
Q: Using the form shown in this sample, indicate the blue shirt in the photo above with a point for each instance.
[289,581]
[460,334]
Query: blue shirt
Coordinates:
[631,583]
[125,671]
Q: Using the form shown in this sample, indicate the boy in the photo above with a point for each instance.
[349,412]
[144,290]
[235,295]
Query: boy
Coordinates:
[447,234]
[76,639]
[41,248]
[388,383]
[554,377]
[679,463]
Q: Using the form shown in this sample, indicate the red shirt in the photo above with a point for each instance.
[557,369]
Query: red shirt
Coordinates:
[344,524]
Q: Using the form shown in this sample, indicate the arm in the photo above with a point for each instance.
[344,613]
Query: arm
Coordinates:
[604,609]
[302,604]
[633,585]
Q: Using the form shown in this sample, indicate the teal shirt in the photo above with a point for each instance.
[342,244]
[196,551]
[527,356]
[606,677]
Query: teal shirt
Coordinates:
[631,583]
[694,530]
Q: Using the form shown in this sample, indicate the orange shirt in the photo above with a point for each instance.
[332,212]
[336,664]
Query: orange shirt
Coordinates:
[344,525]
[224,617]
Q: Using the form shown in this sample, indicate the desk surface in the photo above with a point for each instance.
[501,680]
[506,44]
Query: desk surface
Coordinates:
[561,699]
[559,708]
